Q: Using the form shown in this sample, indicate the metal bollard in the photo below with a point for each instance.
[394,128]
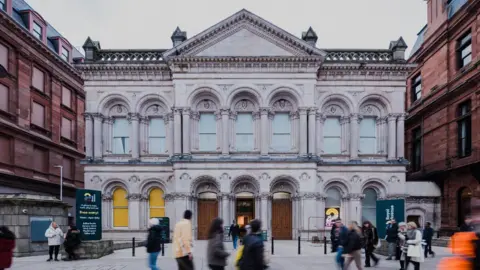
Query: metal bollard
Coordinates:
[325,245]
[299,245]
[272,245]
[133,247]
[163,248]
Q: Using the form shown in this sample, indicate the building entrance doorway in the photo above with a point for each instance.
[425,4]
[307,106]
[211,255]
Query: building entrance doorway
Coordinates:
[282,216]
[244,209]
[207,211]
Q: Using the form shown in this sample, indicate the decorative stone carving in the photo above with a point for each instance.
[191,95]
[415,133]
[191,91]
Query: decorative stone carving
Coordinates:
[420,200]
[264,177]
[134,196]
[321,197]
[185,177]
[370,110]
[394,179]
[206,105]
[396,196]
[356,196]
[334,110]
[319,179]
[118,110]
[224,177]
[96,180]
[107,196]
[245,187]
[384,56]
[264,195]
[170,178]
[134,179]
[304,177]
[154,110]
[282,105]
[244,105]
[310,195]
[356,179]
[179,195]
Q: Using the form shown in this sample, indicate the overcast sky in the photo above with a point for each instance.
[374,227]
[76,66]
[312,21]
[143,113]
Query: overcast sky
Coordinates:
[131,24]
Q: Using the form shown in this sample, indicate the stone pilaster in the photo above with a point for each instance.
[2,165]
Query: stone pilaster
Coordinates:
[354,136]
[391,136]
[356,206]
[320,207]
[107,211]
[225,197]
[401,136]
[89,135]
[171,134]
[264,209]
[186,131]
[97,130]
[264,127]
[303,134]
[312,146]
[177,131]
[134,211]
[134,142]
[320,121]
[224,134]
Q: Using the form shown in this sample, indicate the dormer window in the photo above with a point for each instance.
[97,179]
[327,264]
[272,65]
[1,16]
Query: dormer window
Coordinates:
[65,54]
[37,31]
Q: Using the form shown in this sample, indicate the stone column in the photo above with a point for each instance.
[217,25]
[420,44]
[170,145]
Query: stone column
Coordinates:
[320,208]
[107,211]
[320,120]
[354,136]
[232,120]
[257,130]
[134,211]
[401,136]
[344,121]
[134,141]
[232,207]
[391,136]
[225,143]
[186,131]
[264,128]
[177,138]
[312,147]
[97,137]
[303,131]
[88,135]
[264,209]
[107,136]
[225,208]
[171,134]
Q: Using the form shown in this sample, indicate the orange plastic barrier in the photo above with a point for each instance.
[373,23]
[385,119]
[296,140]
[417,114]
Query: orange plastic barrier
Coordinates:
[454,263]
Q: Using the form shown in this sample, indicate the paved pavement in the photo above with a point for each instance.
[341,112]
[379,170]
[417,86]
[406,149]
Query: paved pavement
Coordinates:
[285,257]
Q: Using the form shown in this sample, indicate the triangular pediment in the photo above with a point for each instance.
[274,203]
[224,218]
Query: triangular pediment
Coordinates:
[244,34]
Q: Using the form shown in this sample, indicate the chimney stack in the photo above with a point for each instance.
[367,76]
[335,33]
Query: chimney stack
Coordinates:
[178,37]
[310,37]
[398,48]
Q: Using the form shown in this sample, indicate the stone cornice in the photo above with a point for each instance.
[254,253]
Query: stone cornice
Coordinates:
[132,71]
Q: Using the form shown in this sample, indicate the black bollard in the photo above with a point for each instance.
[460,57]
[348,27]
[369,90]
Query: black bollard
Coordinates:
[272,245]
[299,245]
[133,247]
[324,245]
[163,248]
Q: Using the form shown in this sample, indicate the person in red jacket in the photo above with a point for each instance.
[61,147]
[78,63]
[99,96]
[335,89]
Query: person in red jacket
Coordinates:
[7,244]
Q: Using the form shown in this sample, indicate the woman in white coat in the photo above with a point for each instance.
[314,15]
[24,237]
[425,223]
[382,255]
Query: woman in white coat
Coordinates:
[55,236]
[414,242]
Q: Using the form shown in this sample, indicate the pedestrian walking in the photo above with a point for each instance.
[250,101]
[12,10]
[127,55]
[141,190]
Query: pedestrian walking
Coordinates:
[334,237]
[371,241]
[427,237]
[253,250]
[341,233]
[353,246]
[154,242]
[234,232]
[402,240]
[7,244]
[392,238]
[183,242]
[55,236]
[72,241]
[216,254]
[414,251]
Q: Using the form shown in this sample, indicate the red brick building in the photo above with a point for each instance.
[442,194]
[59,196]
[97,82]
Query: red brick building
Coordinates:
[443,125]
[41,106]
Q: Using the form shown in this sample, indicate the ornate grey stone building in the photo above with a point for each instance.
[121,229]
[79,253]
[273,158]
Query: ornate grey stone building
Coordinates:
[242,121]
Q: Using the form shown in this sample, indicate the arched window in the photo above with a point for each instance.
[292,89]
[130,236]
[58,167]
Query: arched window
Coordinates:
[120,208]
[334,198]
[463,200]
[156,203]
[369,206]
[245,123]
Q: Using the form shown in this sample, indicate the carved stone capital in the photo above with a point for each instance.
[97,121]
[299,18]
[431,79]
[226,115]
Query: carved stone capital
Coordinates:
[356,196]
[302,110]
[396,196]
[186,111]
[134,197]
[264,110]
[179,195]
[88,116]
[133,117]
[224,111]
[312,111]
[107,197]
[309,195]
[265,195]
[177,110]
[97,116]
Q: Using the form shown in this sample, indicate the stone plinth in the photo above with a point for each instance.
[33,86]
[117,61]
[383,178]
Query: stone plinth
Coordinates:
[92,249]
[17,212]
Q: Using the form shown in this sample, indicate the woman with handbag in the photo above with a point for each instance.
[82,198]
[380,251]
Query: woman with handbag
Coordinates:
[414,250]
[371,242]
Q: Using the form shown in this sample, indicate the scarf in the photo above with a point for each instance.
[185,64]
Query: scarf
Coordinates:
[411,234]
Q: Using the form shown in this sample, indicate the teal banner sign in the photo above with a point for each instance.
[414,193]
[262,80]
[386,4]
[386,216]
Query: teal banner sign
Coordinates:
[164,222]
[386,210]
[89,213]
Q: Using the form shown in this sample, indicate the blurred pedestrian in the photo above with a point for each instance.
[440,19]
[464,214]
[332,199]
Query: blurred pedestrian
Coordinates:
[392,238]
[72,241]
[341,234]
[427,237]
[7,244]
[234,232]
[183,242]
[253,250]
[353,246]
[402,240]
[414,251]
[154,242]
[371,241]
[216,254]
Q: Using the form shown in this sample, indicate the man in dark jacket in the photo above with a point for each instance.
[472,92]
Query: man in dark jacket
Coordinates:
[341,234]
[72,241]
[252,257]
[428,236]
[334,238]
[154,242]
[234,232]
[392,238]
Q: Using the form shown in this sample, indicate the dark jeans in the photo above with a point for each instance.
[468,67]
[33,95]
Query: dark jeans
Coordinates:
[216,267]
[369,254]
[415,264]
[402,265]
[184,263]
[51,249]
[428,248]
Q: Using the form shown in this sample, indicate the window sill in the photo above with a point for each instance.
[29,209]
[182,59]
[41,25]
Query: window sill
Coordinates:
[335,155]
[117,155]
[40,92]
[245,152]
[7,115]
[40,130]
[154,155]
[67,108]
[372,156]
[68,141]
[206,152]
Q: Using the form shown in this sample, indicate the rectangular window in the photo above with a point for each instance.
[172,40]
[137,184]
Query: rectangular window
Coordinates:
[368,136]
[3,5]
[40,159]
[66,128]
[66,97]
[4,56]
[3,98]
[121,136]
[65,54]
[416,149]
[207,129]
[244,132]
[6,146]
[38,115]
[156,136]
[37,30]
[67,167]
[38,79]
[464,123]
[416,87]
[281,132]
[332,136]
[464,51]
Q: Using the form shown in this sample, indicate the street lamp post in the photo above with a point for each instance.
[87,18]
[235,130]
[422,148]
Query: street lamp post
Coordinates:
[61,181]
